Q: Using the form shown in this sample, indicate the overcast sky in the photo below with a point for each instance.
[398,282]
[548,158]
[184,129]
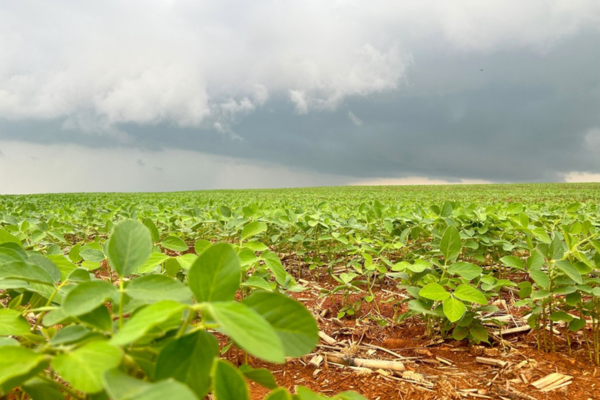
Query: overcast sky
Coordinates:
[178,95]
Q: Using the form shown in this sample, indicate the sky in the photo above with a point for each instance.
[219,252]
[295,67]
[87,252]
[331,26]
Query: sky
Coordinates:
[164,95]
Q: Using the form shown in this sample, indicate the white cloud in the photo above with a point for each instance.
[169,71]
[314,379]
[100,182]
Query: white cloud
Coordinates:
[577,176]
[182,62]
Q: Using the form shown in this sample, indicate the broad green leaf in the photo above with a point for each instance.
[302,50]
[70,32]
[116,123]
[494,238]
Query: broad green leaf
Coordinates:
[273,262]
[576,324]
[64,265]
[189,360]
[349,396]
[434,291]
[38,389]
[200,245]
[465,270]
[26,272]
[129,247]
[540,278]
[153,230]
[253,229]
[148,317]
[152,261]
[262,376]
[13,323]
[560,316]
[258,283]
[187,260]
[229,383]
[512,261]
[7,237]
[479,333]
[248,329]
[279,394]
[99,318]
[470,294]
[17,365]
[47,264]
[292,322]
[6,341]
[174,243]
[454,309]
[570,271]
[216,274]
[83,368]
[255,246]
[460,332]
[70,334]
[123,387]
[87,296]
[450,244]
[154,288]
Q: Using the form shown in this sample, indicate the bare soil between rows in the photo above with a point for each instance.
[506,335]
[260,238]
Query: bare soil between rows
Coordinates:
[435,368]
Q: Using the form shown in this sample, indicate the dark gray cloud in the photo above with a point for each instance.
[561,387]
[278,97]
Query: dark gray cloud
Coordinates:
[445,95]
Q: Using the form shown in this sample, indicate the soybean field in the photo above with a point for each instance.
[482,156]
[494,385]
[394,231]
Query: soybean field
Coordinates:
[348,293]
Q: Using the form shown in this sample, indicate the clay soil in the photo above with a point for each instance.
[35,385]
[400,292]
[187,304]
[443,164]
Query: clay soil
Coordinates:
[436,368]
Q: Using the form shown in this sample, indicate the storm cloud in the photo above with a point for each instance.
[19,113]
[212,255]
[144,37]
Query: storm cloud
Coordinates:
[303,93]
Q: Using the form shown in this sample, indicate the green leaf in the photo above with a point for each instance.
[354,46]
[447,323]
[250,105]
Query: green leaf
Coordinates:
[450,244]
[560,316]
[40,390]
[7,237]
[279,394]
[253,229]
[349,396]
[45,263]
[569,270]
[434,291]
[216,274]
[17,365]
[255,246]
[273,262]
[513,262]
[465,270]
[174,243]
[454,309]
[200,245]
[153,288]
[460,332]
[229,383]
[153,230]
[258,283]
[292,322]
[26,272]
[6,341]
[87,296]
[147,318]
[576,324]
[70,334]
[13,323]
[479,333]
[470,294]
[189,360]
[262,376]
[64,265]
[152,261]
[83,368]
[129,247]
[248,329]
[120,386]
[540,278]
